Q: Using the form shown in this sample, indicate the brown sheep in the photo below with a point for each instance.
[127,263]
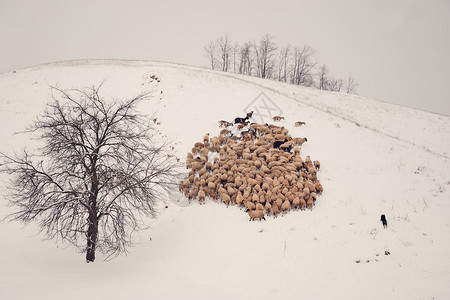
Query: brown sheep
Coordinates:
[239,199]
[253,173]
[319,187]
[299,123]
[299,141]
[302,204]
[259,206]
[250,205]
[286,206]
[317,164]
[201,196]
[277,118]
[199,145]
[225,198]
[256,214]
[225,132]
[223,123]
[296,203]
[275,210]
[310,203]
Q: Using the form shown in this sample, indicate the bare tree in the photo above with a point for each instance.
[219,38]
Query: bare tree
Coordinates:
[323,78]
[265,52]
[326,82]
[352,84]
[303,66]
[224,48]
[96,176]
[283,63]
[246,59]
[294,64]
[211,53]
[334,85]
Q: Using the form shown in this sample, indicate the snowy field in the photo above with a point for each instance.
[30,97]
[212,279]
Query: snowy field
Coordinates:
[376,158]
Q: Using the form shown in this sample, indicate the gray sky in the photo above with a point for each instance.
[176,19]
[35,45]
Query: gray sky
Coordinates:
[397,50]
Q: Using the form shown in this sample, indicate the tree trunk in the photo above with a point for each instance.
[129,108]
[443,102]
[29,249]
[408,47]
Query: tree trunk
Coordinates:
[92,235]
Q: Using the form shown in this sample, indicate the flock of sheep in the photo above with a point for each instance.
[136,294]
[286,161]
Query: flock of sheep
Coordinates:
[258,167]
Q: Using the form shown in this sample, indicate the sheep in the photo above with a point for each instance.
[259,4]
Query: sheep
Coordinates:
[255,169]
[277,118]
[206,138]
[296,202]
[310,203]
[259,206]
[319,187]
[286,206]
[249,205]
[275,210]
[278,143]
[255,198]
[286,146]
[225,132]
[317,164]
[225,198]
[242,125]
[256,214]
[299,141]
[299,123]
[239,199]
[199,145]
[308,161]
[302,204]
[223,123]
[201,196]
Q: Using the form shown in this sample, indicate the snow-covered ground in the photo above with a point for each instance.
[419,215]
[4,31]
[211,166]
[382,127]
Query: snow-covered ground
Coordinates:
[376,158]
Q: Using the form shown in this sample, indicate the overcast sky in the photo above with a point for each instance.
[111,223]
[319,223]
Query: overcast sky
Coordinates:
[399,51]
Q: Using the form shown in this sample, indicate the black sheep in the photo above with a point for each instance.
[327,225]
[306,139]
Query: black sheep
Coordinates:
[277,144]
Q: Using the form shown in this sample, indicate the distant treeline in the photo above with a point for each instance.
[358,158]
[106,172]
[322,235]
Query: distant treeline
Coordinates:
[266,59]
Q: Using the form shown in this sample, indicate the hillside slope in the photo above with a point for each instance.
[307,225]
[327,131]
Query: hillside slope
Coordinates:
[376,158]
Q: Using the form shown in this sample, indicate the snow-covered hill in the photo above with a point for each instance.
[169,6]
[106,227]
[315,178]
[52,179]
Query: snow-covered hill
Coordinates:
[376,158]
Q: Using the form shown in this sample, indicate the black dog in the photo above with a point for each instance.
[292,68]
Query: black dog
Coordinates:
[242,120]
[384,221]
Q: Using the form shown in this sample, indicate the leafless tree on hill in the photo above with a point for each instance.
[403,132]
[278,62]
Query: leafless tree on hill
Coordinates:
[283,63]
[210,52]
[265,56]
[246,59]
[303,66]
[97,175]
[352,84]
[224,48]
